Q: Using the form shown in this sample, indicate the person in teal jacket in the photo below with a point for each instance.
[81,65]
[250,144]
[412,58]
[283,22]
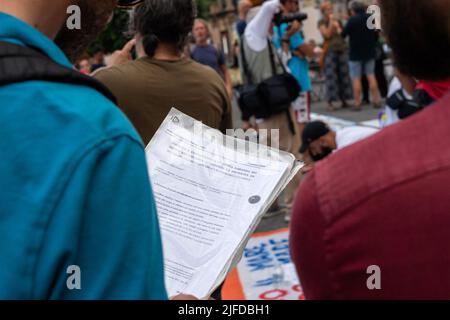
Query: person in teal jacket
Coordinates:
[75,195]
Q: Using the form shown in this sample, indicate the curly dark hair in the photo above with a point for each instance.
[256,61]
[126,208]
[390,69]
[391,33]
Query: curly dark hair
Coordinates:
[419,35]
[166,21]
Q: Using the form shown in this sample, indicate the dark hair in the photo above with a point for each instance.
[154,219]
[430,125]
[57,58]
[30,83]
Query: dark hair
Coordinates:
[168,21]
[358,7]
[419,35]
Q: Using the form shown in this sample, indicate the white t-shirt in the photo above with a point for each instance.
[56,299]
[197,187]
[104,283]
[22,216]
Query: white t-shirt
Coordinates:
[350,135]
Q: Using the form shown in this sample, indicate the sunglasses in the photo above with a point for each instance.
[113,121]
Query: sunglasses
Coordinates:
[128,3]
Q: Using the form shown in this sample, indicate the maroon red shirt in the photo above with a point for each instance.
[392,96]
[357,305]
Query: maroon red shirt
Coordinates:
[384,201]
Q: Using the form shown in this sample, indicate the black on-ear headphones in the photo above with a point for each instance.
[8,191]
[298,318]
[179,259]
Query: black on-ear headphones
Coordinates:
[406,107]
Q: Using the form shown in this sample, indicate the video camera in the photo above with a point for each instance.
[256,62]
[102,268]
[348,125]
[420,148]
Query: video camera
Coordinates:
[279,18]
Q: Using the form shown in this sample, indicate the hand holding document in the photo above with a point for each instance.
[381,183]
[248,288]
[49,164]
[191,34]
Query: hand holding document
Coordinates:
[211,192]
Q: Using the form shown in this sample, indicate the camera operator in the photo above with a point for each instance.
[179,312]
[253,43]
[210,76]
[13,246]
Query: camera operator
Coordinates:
[289,39]
[259,58]
[148,87]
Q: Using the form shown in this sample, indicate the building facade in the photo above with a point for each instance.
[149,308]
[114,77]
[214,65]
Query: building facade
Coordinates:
[222,19]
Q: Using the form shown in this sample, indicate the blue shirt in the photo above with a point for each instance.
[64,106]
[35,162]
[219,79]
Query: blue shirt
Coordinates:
[209,56]
[74,191]
[299,67]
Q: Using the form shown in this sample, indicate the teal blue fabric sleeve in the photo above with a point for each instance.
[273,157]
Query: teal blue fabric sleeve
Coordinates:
[105,223]
[296,41]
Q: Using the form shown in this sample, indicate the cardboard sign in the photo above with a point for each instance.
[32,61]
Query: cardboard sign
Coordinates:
[266,271]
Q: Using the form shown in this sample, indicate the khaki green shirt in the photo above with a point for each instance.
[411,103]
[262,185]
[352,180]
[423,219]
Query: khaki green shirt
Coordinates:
[146,90]
[336,41]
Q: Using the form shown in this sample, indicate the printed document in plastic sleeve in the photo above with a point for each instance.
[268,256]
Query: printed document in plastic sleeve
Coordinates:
[211,191]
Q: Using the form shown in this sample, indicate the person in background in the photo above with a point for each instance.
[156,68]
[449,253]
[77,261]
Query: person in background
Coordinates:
[371,221]
[257,55]
[335,58]
[320,141]
[257,47]
[66,198]
[207,54]
[408,96]
[362,54]
[84,66]
[99,59]
[296,51]
[289,39]
[161,78]
[401,90]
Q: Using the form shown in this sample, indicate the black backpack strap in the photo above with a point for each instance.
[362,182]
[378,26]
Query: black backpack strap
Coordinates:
[274,71]
[20,64]
[272,58]
[245,64]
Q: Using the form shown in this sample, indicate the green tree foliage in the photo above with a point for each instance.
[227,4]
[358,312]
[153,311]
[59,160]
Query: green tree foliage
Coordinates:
[203,8]
[114,36]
